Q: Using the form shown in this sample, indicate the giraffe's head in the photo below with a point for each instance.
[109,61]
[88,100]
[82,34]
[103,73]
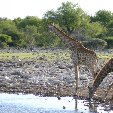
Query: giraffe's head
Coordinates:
[51,26]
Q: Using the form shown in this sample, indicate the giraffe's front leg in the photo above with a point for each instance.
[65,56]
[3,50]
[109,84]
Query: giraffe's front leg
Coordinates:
[76,79]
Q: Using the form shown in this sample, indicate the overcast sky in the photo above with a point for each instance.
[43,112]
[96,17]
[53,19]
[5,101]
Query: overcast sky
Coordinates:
[22,8]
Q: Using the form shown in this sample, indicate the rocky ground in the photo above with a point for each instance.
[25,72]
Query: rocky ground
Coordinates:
[56,78]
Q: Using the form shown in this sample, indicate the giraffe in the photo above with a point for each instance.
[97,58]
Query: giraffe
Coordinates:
[107,68]
[80,54]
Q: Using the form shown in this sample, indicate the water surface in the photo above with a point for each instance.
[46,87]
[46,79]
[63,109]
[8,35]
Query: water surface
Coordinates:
[13,103]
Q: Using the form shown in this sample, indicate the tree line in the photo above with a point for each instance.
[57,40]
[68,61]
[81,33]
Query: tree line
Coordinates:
[94,32]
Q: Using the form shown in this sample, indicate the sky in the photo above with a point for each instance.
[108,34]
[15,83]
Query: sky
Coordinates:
[21,8]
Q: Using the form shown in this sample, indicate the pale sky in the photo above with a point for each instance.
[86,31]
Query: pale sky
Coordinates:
[22,8]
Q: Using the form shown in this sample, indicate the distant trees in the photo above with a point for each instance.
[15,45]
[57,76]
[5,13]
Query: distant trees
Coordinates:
[30,33]
[9,28]
[69,17]
[74,21]
[95,31]
[106,19]
[28,21]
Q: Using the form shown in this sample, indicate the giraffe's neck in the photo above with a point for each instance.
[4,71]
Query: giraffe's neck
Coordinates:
[69,41]
[64,37]
[107,68]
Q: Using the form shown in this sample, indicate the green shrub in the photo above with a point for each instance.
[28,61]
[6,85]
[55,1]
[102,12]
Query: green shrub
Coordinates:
[109,41]
[95,43]
[5,40]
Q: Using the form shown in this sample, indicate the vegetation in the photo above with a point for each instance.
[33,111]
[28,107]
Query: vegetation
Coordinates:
[109,41]
[96,31]
[39,56]
[44,56]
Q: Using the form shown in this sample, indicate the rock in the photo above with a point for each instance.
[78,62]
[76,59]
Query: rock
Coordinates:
[83,77]
[2,69]
[16,73]
[37,66]
[59,98]
[61,67]
[70,66]
[64,107]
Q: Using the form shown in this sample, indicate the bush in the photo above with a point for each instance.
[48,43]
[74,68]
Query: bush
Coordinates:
[5,40]
[3,45]
[95,44]
[109,41]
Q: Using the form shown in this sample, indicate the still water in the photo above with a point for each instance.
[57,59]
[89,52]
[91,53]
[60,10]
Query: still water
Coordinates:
[13,103]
